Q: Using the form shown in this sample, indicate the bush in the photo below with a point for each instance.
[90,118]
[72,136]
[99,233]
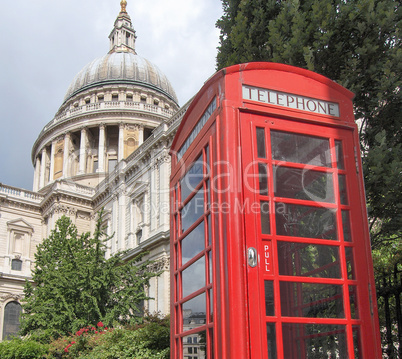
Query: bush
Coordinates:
[72,346]
[125,343]
[148,340]
[43,336]
[22,349]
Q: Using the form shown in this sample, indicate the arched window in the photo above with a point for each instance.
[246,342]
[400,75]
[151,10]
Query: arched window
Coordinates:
[11,321]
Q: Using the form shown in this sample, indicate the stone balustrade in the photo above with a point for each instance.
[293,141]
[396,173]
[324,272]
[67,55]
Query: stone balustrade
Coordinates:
[74,187]
[118,105]
[20,193]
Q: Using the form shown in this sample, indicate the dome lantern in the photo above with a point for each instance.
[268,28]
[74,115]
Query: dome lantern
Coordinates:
[122,37]
[121,65]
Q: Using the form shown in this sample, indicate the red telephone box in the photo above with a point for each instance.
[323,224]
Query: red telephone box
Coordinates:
[270,250]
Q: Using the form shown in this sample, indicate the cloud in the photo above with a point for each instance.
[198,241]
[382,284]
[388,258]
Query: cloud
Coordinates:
[46,43]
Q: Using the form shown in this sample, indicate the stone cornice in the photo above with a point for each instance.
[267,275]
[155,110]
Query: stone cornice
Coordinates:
[20,205]
[69,193]
[14,277]
[160,264]
[67,205]
[156,240]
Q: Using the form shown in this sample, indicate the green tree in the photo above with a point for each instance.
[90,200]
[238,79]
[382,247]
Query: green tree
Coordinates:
[356,43]
[75,285]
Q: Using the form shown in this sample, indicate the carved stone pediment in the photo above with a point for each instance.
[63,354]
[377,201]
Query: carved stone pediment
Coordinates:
[20,224]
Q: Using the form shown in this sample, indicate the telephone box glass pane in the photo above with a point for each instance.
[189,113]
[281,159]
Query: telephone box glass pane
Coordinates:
[339,155]
[264,211]
[193,243]
[176,233]
[292,147]
[342,189]
[309,260]
[192,178]
[271,340]
[192,346]
[305,221]
[260,142]
[176,256]
[207,166]
[202,342]
[353,302]
[303,184]
[194,312]
[211,344]
[318,341]
[263,179]
[193,277]
[269,298]
[346,226]
[211,306]
[210,267]
[357,344]
[312,300]
[208,194]
[175,199]
[350,263]
[192,210]
[209,221]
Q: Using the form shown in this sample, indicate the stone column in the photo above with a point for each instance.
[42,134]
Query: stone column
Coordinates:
[120,154]
[101,149]
[115,227]
[43,169]
[140,135]
[51,173]
[154,194]
[66,153]
[121,220]
[37,174]
[83,155]
[164,185]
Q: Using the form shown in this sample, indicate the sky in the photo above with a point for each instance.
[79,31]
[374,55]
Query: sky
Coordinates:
[45,43]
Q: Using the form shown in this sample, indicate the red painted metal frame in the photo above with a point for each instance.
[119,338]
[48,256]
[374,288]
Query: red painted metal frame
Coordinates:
[238,321]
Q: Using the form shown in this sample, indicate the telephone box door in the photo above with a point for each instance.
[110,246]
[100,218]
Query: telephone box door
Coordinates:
[307,260]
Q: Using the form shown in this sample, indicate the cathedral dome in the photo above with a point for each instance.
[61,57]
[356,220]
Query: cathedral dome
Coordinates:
[110,109]
[122,68]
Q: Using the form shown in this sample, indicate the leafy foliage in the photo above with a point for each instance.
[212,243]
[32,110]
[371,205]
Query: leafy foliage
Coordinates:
[148,340]
[383,168]
[22,349]
[356,43]
[75,285]
[388,269]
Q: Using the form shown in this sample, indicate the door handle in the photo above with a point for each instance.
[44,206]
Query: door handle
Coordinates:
[252,257]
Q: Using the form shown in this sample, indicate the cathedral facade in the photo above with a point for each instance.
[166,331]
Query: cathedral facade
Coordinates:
[106,147]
